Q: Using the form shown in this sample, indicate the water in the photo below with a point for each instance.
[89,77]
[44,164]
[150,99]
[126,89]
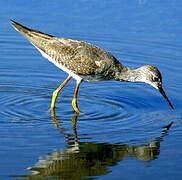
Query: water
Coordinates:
[125,129]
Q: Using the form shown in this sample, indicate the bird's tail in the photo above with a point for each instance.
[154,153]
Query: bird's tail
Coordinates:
[30,34]
[20,28]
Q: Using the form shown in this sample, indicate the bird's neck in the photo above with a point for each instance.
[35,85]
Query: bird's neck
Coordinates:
[127,74]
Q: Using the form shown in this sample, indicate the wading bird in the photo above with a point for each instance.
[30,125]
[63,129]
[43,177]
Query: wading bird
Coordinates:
[86,62]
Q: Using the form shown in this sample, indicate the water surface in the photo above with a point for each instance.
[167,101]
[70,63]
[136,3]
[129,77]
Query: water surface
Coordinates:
[125,130]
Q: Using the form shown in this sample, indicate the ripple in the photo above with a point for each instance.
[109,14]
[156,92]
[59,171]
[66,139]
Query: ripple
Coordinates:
[120,118]
[132,127]
[20,103]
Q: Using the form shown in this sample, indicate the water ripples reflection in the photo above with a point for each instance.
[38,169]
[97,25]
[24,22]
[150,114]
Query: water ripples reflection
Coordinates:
[20,102]
[123,128]
[121,117]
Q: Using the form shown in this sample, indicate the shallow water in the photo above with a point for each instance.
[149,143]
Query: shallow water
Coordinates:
[125,130]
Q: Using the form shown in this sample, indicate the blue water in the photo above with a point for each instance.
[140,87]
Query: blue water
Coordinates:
[125,130]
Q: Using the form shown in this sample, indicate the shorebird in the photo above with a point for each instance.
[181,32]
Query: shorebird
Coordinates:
[86,62]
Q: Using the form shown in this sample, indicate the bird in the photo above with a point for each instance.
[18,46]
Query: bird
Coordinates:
[84,61]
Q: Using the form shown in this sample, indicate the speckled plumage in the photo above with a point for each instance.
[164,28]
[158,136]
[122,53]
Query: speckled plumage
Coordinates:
[80,57]
[87,62]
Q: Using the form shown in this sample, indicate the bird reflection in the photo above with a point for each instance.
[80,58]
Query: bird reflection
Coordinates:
[81,160]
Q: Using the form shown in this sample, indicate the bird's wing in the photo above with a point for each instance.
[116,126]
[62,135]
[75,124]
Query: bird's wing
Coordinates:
[80,57]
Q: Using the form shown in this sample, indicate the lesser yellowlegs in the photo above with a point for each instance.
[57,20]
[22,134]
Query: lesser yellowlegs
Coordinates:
[86,62]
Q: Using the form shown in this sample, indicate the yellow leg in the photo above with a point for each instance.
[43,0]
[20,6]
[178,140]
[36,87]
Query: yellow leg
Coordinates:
[56,92]
[74,100]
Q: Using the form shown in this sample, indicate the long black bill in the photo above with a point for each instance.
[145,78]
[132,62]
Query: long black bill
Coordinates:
[165,97]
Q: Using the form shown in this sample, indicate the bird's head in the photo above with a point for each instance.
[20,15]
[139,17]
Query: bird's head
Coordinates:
[151,75]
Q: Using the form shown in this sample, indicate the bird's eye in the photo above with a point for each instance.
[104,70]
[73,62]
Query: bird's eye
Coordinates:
[155,79]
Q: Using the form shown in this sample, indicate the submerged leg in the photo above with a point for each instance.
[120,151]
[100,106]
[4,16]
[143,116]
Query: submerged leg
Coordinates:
[56,92]
[74,100]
